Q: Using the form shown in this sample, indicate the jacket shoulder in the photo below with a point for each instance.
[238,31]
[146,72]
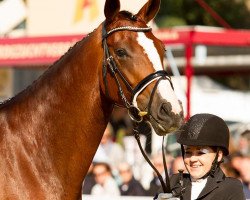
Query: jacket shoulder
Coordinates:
[233,188]
[233,182]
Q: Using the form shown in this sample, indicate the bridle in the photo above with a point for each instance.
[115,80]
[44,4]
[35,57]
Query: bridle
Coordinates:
[109,63]
[135,114]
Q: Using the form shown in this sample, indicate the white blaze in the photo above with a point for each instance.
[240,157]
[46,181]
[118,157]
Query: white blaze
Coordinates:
[164,87]
[150,50]
[167,92]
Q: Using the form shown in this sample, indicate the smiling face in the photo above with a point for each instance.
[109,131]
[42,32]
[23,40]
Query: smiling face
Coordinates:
[198,160]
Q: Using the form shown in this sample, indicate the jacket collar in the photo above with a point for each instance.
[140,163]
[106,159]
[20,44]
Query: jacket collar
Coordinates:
[212,182]
[188,185]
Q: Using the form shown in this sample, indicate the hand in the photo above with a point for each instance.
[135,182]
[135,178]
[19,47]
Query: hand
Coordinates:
[166,196]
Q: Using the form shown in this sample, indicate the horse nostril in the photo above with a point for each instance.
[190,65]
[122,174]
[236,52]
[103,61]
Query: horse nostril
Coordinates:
[164,110]
[166,114]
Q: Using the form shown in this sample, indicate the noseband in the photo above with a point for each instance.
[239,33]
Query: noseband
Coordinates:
[109,63]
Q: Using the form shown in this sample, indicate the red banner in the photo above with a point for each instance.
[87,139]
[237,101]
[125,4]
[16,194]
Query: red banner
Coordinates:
[46,50]
[34,50]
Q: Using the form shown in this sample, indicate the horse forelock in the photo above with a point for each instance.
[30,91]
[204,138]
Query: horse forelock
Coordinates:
[126,18]
[128,15]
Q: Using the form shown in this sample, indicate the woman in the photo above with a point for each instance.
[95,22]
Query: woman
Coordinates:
[204,141]
[105,183]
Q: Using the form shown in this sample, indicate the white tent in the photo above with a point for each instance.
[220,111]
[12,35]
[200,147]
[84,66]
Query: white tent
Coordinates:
[211,97]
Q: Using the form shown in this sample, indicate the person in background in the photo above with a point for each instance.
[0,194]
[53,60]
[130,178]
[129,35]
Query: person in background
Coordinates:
[129,185]
[89,181]
[244,143]
[177,165]
[241,163]
[245,175]
[155,184]
[204,141]
[105,183]
[229,170]
[235,159]
[113,150]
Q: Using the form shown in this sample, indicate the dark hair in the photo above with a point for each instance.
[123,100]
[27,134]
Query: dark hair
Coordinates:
[106,165]
[129,15]
[246,134]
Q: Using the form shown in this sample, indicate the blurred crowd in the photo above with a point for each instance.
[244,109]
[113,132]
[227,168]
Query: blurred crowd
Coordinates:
[119,168]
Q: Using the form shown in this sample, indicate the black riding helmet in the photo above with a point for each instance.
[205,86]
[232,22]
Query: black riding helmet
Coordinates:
[205,130]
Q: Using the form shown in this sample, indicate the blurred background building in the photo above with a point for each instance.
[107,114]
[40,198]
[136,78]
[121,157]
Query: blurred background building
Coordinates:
[207,43]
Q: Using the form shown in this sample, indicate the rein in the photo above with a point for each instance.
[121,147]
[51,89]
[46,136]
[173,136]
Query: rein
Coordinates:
[165,185]
[135,114]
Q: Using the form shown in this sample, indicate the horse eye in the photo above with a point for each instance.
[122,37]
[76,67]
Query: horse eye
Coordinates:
[121,52]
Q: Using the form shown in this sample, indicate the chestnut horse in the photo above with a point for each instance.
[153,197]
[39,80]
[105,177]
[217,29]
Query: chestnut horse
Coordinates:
[50,132]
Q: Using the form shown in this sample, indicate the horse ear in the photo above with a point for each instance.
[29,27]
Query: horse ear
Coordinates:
[112,7]
[149,10]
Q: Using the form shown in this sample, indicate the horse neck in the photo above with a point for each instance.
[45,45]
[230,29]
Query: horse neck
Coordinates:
[65,113]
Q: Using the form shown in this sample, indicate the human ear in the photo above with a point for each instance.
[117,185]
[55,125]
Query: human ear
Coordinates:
[220,156]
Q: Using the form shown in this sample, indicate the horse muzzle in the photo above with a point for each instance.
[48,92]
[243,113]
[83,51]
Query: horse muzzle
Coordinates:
[164,116]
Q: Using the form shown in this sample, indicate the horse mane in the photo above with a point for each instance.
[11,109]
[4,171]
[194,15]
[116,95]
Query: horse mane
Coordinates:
[124,13]
[71,48]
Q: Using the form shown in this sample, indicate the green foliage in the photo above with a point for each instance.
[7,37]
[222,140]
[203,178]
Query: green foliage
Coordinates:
[234,12]
[170,21]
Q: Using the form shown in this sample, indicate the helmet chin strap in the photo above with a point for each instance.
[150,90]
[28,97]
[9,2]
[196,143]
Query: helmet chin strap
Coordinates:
[214,166]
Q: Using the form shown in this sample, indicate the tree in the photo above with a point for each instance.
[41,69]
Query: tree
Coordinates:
[189,12]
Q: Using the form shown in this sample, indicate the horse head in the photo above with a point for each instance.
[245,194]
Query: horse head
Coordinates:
[133,68]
